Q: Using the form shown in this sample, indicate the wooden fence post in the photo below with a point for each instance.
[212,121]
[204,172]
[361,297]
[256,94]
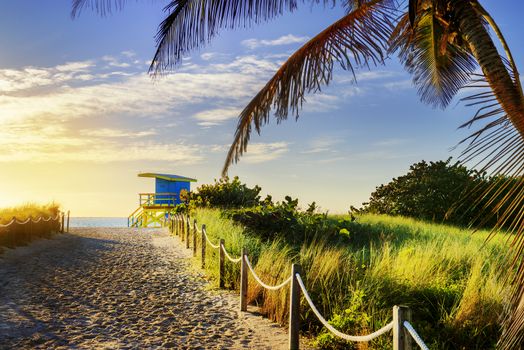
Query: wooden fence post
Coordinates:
[188,228]
[31,227]
[68,214]
[182,227]
[221,260]
[194,237]
[63,223]
[203,246]
[13,233]
[401,338]
[243,281]
[294,309]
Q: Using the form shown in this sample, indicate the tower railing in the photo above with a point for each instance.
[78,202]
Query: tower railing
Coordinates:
[164,199]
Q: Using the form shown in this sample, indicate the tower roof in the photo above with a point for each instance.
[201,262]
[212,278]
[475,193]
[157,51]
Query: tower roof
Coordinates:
[168,177]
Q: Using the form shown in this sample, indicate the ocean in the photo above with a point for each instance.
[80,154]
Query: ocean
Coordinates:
[97,222]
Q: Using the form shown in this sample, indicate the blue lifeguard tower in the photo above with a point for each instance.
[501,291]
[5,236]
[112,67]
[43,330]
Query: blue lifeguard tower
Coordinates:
[153,207]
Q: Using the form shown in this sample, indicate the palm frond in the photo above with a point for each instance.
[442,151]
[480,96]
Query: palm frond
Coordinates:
[358,39]
[429,51]
[412,11]
[191,24]
[103,7]
[498,147]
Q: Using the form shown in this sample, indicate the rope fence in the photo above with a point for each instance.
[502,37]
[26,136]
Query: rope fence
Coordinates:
[259,281]
[415,335]
[20,232]
[233,260]
[325,323]
[403,332]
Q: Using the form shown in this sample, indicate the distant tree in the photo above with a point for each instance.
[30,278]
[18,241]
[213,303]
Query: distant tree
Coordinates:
[428,191]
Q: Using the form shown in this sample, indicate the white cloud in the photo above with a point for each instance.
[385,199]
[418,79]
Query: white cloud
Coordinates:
[128,54]
[115,133]
[376,75]
[115,62]
[399,85]
[80,66]
[323,144]
[216,116]
[207,56]
[391,142]
[74,106]
[102,153]
[15,80]
[283,40]
[264,152]
[321,102]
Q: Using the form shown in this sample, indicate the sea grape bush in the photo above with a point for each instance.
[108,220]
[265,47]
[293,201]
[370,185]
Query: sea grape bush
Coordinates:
[435,191]
[284,220]
[225,193]
[264,218]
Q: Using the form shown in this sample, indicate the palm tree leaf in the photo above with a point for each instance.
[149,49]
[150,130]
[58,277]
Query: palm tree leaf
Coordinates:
[499,148]
[440,67]
[103,7]
[191,24]
[357,39]
[413,9]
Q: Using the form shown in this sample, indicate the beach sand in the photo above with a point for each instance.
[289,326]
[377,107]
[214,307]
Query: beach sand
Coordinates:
[116,288]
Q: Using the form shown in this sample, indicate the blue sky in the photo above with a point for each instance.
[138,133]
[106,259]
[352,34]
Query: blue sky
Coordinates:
[81,116]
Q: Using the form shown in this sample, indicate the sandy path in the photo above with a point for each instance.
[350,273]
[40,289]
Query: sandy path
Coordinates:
[118,289]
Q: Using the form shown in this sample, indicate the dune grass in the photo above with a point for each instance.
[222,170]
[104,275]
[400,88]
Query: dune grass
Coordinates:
[450,277]
[18,233]
[22,212]
[233,235]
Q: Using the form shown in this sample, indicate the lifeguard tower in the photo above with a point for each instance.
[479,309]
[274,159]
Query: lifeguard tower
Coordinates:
[154,207]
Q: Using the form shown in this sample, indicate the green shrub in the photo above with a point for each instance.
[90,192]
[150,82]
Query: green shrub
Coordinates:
[435,191]
[226,194]
[283,220]
[353,320]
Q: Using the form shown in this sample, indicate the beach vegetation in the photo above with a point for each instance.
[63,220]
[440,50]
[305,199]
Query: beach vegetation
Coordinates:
[21,224]
[450,277]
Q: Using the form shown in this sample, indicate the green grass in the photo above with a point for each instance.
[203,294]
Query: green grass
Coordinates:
[448,276]
[233,235]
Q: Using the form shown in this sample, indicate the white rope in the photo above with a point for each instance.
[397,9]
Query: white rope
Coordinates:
[358,338]
[415,335]
[9,223]
[40,218]
[277,287]
[237,260]
[210,243]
